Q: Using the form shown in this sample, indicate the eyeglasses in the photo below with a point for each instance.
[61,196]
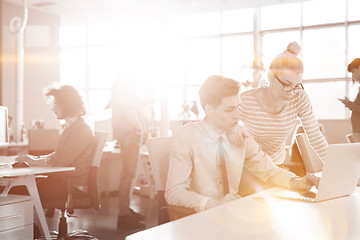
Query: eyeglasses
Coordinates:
[297,88]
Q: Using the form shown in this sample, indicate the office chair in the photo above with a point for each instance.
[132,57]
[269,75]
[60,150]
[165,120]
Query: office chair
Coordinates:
[353,137]
[159,151]
[78,199]
[311,160]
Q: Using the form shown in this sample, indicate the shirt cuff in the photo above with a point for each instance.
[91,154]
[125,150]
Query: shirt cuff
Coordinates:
[203,203]
[47,161]
[283,179]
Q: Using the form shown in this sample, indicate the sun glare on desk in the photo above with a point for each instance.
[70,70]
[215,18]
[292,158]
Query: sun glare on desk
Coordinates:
[297,220]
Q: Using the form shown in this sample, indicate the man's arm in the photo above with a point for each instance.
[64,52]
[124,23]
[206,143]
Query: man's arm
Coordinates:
[265,169]
[179,176]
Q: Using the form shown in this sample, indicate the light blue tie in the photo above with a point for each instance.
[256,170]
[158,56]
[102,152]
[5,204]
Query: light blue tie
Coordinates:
[221,156]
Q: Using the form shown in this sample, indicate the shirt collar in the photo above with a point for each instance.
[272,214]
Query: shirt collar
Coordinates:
[70,121]
[211,131]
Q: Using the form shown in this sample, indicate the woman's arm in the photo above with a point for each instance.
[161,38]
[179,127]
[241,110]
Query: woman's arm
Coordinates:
[311,126]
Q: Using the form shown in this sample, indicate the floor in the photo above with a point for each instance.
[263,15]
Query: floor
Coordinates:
[102,223]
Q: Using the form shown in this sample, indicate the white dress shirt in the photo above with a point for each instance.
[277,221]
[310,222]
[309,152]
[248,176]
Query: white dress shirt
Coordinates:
[194,174]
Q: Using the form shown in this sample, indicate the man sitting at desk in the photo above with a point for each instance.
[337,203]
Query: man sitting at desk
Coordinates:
[205,169]
[74,149]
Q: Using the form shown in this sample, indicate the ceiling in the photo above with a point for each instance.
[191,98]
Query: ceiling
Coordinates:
[103,10]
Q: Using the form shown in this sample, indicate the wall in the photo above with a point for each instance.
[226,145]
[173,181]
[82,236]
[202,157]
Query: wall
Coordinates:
[41,65]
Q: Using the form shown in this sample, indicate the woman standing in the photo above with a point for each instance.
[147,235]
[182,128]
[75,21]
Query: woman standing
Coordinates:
[271,112]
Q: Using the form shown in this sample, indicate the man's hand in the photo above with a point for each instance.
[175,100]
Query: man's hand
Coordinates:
[212,203]
[22,158]
[32,160]
[236,135]
[230,197]
[304,184]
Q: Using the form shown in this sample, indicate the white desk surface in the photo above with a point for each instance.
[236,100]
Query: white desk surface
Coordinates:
[14,172]
[267,218]
[8,171]
[10,177]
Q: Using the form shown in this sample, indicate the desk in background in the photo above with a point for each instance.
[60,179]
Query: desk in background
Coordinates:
[254,217]
[14,148]
[10,177]
[110,169]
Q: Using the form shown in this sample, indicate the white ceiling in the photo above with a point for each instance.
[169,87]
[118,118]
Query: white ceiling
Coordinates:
[103,10]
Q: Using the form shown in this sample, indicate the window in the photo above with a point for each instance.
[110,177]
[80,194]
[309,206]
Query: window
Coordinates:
[324,58]
[353,12]
[72,36]
[174,64]
[354,43]
[73,66]
[239,20]
[176,54]
[323,11]
[102,34]
[175,27]
[237,57]
[202,24]
[280,16]
[103,66]
[324,98]
[202,59]
[276,43]
[97,101]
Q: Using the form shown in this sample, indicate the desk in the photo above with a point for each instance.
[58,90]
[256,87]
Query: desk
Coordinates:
[14,148]
[253,218]
[111,167]
[10,177]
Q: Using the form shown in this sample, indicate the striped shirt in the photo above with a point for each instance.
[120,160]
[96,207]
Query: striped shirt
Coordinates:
[271,130]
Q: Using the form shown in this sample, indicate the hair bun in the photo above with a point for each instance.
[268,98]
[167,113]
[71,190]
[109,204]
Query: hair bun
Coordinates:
[293,48]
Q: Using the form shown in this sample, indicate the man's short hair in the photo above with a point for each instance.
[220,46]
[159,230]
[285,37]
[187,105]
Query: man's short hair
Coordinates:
[68,98]
[215,88]
[354,64]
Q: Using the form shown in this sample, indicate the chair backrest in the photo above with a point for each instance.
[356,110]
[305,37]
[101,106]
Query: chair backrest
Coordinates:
[88,197]
[100,139]
[93,186]
[353,137]
[159,151]
[311,160]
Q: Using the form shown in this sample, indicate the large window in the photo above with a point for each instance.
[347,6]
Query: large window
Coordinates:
[329,32]
[324,58]
[170,57]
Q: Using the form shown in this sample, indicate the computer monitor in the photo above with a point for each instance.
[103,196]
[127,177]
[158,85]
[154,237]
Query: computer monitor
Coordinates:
[4,127]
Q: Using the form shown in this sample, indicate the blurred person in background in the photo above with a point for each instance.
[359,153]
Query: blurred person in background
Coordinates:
[127,131]
[75,147]
[354,107]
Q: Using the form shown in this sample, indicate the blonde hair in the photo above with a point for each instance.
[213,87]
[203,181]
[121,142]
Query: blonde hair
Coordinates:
[288,59]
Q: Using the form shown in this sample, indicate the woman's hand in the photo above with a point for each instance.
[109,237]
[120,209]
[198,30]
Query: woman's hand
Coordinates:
[347,102]
[237,135]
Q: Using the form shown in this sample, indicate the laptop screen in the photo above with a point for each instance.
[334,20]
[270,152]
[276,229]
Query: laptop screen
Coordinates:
[4,126]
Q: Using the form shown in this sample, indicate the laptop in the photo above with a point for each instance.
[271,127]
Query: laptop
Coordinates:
[338,178]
